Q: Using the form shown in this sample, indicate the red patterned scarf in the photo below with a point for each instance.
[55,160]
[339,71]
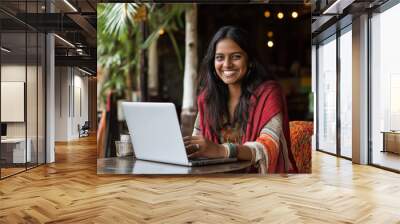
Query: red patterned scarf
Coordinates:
[266,102]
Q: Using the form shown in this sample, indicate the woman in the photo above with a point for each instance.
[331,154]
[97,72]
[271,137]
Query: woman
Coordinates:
[242,111]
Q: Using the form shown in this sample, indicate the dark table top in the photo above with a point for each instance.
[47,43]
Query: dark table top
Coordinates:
[130,165]
[391,132]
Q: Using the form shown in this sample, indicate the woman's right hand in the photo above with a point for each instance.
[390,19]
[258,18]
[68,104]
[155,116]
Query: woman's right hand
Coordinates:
[198,146]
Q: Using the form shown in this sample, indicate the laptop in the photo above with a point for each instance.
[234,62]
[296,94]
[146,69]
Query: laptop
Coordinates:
[156,135]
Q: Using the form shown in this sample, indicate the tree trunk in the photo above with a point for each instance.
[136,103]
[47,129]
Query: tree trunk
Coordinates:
[143,67]
[153,69]
[188,114]
[129,74]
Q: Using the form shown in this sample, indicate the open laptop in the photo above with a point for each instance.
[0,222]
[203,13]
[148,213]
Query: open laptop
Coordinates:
[156,135]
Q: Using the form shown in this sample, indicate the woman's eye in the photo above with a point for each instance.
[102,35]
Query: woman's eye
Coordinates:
[219,58]
[236,56]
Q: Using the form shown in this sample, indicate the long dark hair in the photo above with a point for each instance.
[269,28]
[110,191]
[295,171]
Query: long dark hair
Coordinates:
[216,91]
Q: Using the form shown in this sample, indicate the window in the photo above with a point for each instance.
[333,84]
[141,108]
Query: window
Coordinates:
[346,93]
[326,60]
[385,84]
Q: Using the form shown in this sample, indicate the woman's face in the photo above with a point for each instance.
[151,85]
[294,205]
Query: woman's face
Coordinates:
[230,62]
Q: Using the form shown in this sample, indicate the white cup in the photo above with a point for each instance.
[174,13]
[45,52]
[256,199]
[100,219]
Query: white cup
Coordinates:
[125,138]
[123,149]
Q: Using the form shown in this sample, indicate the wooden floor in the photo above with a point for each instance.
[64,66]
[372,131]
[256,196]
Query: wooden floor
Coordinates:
[10,171]
[69,191]
[387,159]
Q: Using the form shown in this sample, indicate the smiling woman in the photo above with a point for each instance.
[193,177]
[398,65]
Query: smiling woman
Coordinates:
[242,111]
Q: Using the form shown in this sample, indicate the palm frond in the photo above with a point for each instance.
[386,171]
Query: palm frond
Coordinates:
[119,16]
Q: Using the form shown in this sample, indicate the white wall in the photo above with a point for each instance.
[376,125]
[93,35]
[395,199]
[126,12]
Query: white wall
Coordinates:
[62,81]
[71,102]
[81,84]
[13,73]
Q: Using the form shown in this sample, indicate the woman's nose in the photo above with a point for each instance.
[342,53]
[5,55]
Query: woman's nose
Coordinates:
[227,62]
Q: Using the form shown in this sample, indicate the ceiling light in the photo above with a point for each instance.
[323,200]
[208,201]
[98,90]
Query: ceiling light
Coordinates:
[270,43]
[84,71]
[338,6]
[280,15]
[295,15]
[270,34]
[70,5]
[5,50]
[65,41]
[267,14]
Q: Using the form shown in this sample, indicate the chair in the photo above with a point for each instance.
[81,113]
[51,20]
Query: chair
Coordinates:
[300,136]
[84,130]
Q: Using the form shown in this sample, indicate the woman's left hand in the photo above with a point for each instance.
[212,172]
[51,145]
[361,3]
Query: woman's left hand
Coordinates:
[198,146]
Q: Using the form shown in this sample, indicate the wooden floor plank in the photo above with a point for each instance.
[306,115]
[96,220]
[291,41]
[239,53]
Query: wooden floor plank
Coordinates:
[70,191]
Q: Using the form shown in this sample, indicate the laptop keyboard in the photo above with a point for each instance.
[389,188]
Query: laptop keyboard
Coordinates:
[199,159]
[206,161]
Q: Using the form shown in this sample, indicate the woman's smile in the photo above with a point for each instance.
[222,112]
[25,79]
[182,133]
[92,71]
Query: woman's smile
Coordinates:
[229,73]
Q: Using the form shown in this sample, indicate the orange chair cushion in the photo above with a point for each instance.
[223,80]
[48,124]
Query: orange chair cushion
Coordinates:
[300,135]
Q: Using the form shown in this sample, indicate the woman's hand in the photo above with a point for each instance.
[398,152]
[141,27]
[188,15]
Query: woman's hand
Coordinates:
[198,146]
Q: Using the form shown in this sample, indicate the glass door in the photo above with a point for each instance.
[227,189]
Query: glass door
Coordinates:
[22,77]
[13,103]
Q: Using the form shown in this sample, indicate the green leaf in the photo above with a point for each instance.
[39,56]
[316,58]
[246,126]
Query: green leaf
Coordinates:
[176,48]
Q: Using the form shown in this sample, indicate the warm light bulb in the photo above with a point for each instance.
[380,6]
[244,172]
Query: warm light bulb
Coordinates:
[270,34]
[295,15]
[161,31]
[280,15]
[267,14]
[270,43]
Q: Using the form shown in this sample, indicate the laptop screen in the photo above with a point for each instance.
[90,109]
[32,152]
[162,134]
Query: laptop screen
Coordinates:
[3,129]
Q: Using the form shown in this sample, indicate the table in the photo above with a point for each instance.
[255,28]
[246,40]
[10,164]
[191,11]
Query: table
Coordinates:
[391,141]
[13,150]
[130,165]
